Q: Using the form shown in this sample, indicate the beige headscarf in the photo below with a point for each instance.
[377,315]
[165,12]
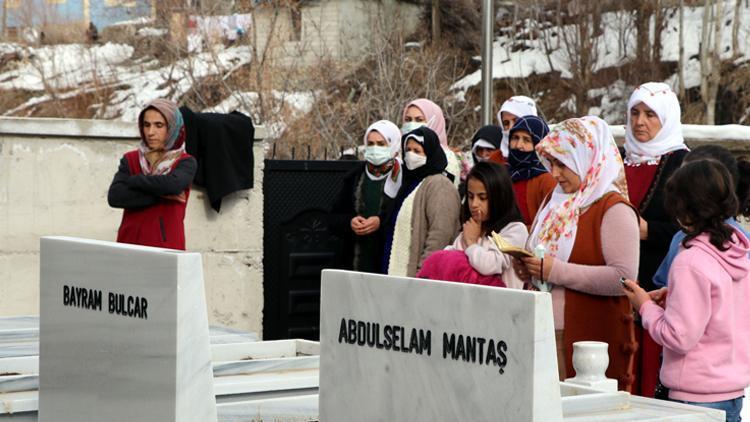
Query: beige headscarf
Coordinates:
[160,162]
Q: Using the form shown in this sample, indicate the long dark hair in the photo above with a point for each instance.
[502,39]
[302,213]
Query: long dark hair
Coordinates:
[739,169]
[700,194]
[501,200]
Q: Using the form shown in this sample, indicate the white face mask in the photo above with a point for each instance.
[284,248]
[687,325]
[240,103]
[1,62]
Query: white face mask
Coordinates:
[377,155]
[413,160]
[409,126]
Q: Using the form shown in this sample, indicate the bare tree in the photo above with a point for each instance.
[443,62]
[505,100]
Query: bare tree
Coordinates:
[660,22]
[736,28]
[681,53]
[580,45]
[710,62]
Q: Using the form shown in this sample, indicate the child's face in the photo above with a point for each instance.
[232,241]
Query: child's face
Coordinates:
[478,199]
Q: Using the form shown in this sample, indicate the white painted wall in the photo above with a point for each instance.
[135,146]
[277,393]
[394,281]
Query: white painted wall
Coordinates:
[54,177]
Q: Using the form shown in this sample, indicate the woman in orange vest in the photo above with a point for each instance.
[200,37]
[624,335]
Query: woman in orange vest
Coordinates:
[152,184]
[589,231]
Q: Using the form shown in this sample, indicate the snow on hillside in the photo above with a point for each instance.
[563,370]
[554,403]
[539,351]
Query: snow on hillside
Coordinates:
[70,70]
[614,47]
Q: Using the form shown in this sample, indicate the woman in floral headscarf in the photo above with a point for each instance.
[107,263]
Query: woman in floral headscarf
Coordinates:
[152,184]
[590,234]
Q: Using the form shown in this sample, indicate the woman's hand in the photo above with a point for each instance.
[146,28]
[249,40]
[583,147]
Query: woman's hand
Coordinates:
[643,227]
[179,198]
[520,268]
[539,269]
[357,225]
[364,226]
[371,225]
[659,296]
[635,294]
[472,231]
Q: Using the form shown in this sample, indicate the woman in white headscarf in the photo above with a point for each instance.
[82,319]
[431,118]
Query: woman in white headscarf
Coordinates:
[374,186]
[590,234]
[512,109]
[654,149]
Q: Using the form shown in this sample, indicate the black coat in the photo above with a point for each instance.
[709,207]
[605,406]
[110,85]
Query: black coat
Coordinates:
[343,210]
[661,227]
[223,146]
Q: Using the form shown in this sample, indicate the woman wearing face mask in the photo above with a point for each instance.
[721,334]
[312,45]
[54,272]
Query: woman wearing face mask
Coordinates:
[531,181]
[513,108]
[423,112]
[152,184]
[426,211]
[590,234]
[654,149]
[364,200]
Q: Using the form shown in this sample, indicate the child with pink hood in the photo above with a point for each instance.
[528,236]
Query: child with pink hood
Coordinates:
[701,318]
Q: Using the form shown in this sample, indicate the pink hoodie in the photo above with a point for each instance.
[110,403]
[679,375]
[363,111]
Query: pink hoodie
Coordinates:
[705,329]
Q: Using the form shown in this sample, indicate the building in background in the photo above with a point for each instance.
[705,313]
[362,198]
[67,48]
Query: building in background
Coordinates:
[69,17]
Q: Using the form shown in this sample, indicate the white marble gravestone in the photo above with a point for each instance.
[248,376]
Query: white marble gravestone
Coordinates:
[395,348]
[123,334]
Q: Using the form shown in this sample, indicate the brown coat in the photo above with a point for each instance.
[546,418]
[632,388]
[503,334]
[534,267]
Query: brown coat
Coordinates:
[434,221]
[599,318]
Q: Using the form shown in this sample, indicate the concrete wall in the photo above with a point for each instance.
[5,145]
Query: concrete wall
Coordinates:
[332,29]
[54,177]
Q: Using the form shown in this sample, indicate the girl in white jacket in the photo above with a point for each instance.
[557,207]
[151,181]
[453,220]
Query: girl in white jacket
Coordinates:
[489,206]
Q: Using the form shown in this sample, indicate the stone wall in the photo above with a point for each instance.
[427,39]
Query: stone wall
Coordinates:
[54,176]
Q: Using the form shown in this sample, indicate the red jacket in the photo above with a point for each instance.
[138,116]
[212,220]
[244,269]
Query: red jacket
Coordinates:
[160,225]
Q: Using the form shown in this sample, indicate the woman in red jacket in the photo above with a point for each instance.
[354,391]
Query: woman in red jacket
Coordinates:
[152,184]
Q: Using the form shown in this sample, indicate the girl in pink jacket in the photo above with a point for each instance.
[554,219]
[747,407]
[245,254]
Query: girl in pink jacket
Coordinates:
[702,319]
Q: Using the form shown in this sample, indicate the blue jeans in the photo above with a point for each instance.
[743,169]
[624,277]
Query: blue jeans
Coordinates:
[732,407]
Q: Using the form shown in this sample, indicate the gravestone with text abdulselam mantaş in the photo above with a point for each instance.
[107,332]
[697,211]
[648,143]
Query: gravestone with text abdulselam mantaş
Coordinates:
[123,334]
[404,349]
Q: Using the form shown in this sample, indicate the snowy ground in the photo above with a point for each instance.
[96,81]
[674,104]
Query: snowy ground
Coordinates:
[614,47]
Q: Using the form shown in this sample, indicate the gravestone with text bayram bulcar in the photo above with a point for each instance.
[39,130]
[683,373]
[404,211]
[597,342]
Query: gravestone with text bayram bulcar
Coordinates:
[123,334]
[395,348]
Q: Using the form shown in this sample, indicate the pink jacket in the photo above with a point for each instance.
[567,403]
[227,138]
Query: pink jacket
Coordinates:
[705,328]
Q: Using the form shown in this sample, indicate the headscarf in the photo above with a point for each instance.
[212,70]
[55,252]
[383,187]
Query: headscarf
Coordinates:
[433,115]
[526,165]
[436,160]
[586,146]
[660,98]
[488,136]
[392,135]
[519,106]
[390,132]
[175,145]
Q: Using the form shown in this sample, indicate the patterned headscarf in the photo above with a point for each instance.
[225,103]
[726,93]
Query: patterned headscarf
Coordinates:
[585,145]
[175,145]
[526,165]
[519,106]
[660,98]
